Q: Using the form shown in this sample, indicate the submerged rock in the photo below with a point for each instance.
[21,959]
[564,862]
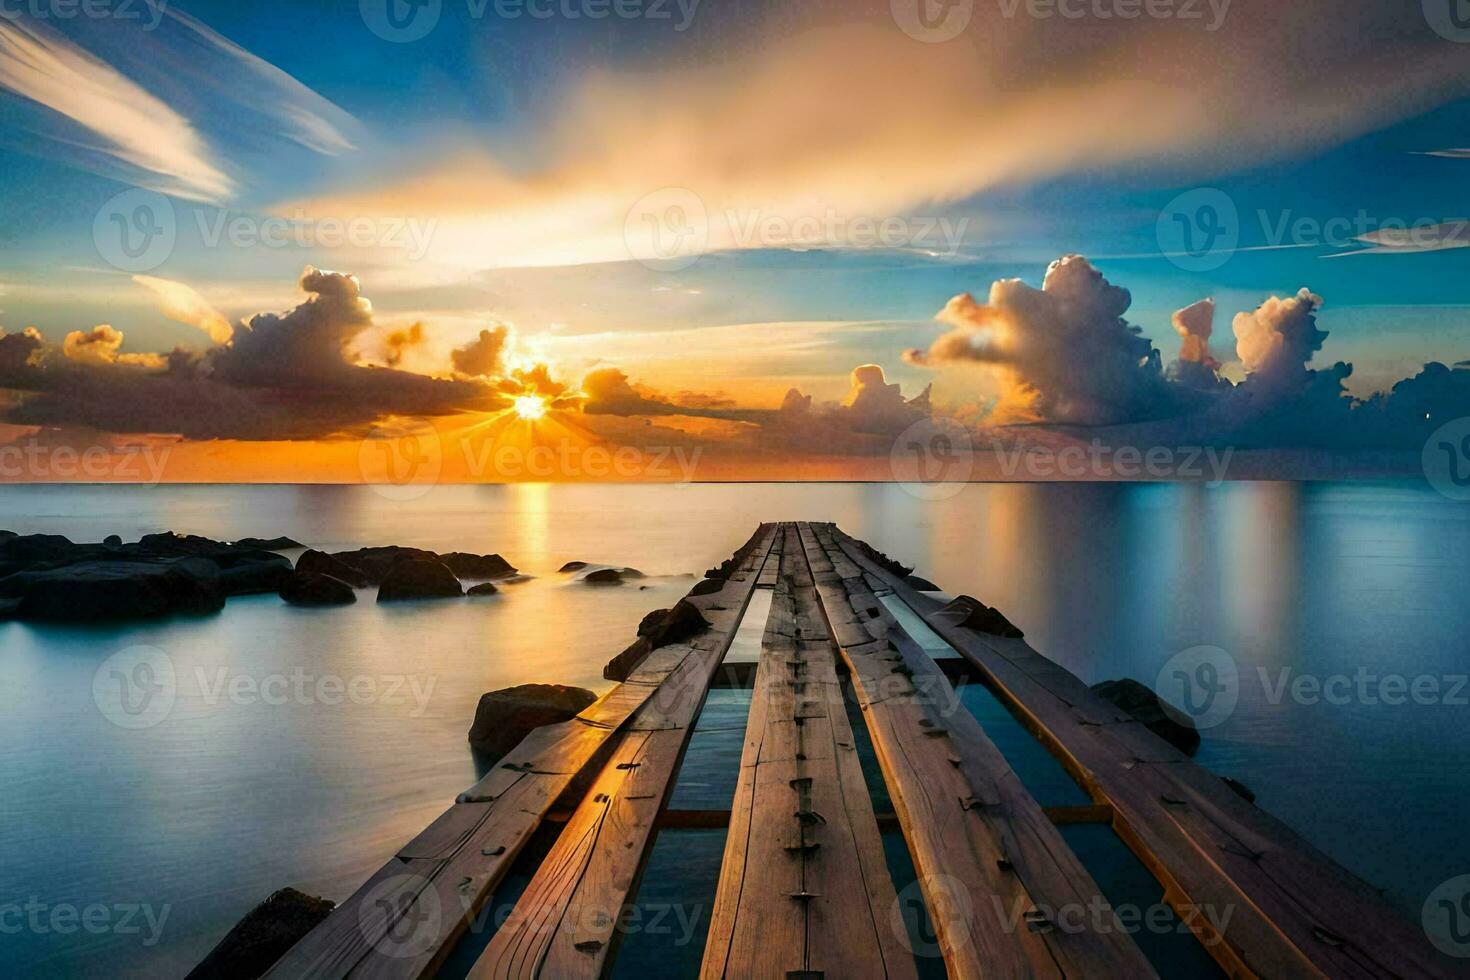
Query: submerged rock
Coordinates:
[467,565]
[419,578]
[484,588]
[263,936]
[573,566]
[315,589]
[504,717]
[1151,711]
[603,576]
[252,572]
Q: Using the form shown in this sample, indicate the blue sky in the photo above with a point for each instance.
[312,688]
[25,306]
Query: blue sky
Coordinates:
[523,147]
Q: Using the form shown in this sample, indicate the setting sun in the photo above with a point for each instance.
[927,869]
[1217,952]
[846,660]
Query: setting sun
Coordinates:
[530,407]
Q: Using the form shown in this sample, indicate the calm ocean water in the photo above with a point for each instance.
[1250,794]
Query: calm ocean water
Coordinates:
[303,746]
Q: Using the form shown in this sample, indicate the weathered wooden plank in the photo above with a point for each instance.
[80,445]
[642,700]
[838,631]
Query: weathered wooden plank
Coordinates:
[804,887]
[403,920]
[566,924]
[993,868]
[1293,911]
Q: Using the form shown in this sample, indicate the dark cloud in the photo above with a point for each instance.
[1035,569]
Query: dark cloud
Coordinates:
[483,357]
[1067,357]
[282,376]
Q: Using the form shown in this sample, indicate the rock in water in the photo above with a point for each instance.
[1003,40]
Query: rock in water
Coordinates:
[320,563]
[506,716]
[484,588]
[252,572]
[573,566]
[604,576]
[313,589]
[477,566]
[1152,711]
[419,578]
[87,591]
[263,936]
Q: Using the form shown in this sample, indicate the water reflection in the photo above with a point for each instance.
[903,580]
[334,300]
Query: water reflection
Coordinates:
[226,801]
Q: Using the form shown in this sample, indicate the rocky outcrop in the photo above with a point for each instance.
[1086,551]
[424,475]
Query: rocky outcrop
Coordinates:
[320,563]
[374,564]
[506,716]
[573,566]
[484,588]
[419,578]
[707,587]
[263,936]
[314,589]
[92,590]
[1151,711]
[467,565]
[281,543]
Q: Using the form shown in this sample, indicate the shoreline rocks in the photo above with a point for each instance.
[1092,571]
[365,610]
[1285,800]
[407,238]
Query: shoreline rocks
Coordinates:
[419,578]
[315,589]
[49,577]
[504,717]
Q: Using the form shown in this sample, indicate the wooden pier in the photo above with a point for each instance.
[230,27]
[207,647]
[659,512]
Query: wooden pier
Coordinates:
[804,890]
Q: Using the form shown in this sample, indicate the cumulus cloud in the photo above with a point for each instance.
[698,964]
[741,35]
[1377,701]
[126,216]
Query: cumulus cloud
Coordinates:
[1064,352]
[1196,367]
[1275,342]
[483,357]
[281,376]
[102,345]
[874,405]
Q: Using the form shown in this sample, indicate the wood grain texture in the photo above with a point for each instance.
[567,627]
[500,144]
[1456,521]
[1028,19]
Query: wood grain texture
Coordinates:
[1006,895]
[566,924]
[804,887]
[1293,911]
[404,920]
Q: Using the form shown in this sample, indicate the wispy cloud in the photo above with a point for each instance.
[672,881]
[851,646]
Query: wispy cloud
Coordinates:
[134,127]
[176,108]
